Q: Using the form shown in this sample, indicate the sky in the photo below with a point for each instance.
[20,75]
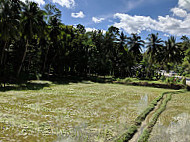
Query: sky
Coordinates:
[166,17]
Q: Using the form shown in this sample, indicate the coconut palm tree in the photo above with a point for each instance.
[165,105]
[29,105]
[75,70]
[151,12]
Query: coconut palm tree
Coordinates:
[135,43]
[32,25]
[154,46]
[186,43]
[122,41]
[9,21]
[171,52]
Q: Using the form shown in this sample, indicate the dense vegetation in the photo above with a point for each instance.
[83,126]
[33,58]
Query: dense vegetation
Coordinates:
[34,43]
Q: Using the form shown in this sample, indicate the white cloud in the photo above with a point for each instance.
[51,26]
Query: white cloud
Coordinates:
[185,4]
[40,2]
[179,12]
[97,20]
[111,21]
[167,24]
[134,24]
[90,29]
[78,15]
[166,35]
[93,29]
[66,3]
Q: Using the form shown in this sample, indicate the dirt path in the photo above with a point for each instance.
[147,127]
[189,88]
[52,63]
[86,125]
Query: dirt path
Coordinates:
[141,130]
[145,122]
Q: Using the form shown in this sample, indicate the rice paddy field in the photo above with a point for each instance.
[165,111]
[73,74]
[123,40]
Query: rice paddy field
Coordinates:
[83,111]
[174,123]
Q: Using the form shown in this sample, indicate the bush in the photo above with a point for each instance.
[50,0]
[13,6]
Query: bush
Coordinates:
[183,81]
[163,78]
[118,80]
[177,80]
[172,80]
[187,75]
[168,80]
[127,80]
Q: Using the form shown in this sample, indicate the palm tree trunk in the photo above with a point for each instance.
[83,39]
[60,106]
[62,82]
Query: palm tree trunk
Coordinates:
[49,70]
[3,52]
[44,65]
[23,58]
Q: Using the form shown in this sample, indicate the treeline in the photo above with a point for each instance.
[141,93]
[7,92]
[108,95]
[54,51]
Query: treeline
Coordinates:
[34,43]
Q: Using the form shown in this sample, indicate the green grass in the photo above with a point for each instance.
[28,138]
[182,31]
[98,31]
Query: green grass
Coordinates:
[80,111]
[135,80]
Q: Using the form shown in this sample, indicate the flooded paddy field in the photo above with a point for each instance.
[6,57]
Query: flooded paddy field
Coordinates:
[77,111]
[174,123]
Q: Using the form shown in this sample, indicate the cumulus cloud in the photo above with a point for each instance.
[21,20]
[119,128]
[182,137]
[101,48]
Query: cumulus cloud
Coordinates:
[40,2]
[166,35]
[78,15]
[179,12]
[134,24]
[166,24]
[90,29]
[97,20]
[94,29]
[65,3]
[185,4]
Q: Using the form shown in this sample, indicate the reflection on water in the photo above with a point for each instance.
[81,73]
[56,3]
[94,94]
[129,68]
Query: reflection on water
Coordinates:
[143,103]
[177,131]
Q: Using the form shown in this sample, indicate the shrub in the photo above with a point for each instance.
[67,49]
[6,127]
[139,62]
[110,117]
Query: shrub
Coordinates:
[127,80]
[168,80]
[172,80]
[177,80]
[187,75]
[183,81]
[163,78]
[118,79]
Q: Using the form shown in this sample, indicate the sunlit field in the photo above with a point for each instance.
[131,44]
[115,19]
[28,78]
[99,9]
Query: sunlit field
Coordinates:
[71,112]
[174,123]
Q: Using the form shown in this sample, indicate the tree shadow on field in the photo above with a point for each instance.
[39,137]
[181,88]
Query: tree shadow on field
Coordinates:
[24,86]
[85,80]
[40,84]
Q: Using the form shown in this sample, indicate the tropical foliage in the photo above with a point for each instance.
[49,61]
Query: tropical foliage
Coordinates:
[34,43]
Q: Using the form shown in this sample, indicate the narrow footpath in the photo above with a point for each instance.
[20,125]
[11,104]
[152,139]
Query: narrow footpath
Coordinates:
[145,122]
[142,128]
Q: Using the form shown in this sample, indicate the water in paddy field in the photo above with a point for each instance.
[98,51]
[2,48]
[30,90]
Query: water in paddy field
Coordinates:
[143,103]
[177,130]
[75,112]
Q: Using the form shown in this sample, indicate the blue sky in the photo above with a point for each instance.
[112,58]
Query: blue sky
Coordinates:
[167,17]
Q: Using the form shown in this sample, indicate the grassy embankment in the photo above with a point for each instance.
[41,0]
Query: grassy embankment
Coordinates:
[168,83]
[164,98]
[174,123]
[133,129]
